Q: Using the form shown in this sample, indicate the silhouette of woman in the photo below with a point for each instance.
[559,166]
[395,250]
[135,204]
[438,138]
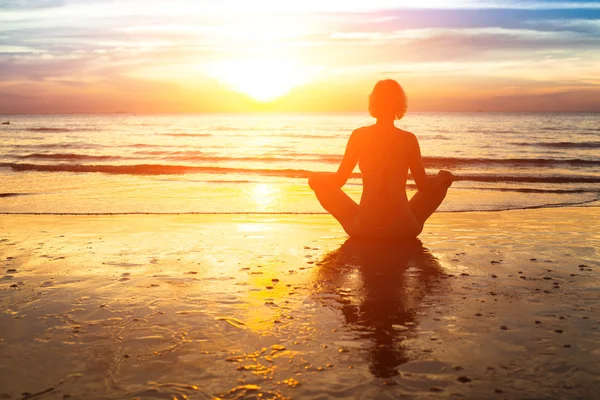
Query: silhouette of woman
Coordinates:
[384,154]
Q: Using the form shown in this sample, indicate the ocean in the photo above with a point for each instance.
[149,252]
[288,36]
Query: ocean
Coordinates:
[259,163]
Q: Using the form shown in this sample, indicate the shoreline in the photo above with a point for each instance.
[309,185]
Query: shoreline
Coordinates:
[484,305]
[584,204]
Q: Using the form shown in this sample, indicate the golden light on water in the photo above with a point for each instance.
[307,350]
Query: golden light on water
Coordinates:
[264,195]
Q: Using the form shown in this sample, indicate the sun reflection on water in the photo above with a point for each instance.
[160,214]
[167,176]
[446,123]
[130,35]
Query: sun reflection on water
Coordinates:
[265,195]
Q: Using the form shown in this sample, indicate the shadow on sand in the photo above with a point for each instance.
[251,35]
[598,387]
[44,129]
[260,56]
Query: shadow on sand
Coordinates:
[380,287]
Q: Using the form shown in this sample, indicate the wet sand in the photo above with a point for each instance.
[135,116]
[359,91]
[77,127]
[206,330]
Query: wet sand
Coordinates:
[499,305]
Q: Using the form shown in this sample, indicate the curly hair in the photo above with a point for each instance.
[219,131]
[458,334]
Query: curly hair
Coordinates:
[387,99]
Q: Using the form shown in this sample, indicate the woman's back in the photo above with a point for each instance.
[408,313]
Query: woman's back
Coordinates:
[383,159]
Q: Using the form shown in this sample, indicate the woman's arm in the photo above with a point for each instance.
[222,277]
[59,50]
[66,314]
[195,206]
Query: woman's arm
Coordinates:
[338,179]
[349,161]
[415,163]
[417,169]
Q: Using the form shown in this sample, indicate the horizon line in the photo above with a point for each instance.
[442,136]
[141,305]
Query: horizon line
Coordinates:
[299,112]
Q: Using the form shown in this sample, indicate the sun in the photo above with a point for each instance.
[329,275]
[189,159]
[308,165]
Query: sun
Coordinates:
[263,80]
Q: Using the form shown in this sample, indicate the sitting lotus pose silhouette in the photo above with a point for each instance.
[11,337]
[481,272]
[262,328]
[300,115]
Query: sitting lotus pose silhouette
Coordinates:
[384,154]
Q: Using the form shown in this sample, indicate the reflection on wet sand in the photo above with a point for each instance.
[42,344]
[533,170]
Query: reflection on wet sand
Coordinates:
[379,286]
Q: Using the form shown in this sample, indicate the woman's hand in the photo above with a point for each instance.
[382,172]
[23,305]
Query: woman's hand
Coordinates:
[446,176]
[321,180]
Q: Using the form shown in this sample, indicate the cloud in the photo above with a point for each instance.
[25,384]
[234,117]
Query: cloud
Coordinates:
[84,47]
[8,96]
[30,4]
[571,100]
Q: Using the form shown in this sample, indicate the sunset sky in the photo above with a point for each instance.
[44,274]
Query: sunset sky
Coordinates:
[61,56]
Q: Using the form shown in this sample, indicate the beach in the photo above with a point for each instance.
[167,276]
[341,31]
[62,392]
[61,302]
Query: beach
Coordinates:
[486,305]
[169,176]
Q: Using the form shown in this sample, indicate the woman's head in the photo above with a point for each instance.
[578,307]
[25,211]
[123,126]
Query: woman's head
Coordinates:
[387,100]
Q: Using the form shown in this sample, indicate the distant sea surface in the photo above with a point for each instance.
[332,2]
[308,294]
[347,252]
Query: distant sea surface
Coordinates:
[259,163]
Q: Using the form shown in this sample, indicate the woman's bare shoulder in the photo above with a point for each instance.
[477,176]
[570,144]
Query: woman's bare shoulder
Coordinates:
[405,132]
[364,129]
[359,134]
[406,135]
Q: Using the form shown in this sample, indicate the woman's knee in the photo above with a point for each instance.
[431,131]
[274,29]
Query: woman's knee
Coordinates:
[420,227]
